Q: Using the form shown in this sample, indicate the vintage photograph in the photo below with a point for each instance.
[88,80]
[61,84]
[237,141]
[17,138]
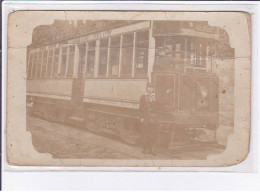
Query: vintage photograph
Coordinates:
[132,89]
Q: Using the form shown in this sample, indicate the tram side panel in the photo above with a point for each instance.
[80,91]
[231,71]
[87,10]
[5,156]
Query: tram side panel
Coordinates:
[112,105]
[50,98]
[116,92]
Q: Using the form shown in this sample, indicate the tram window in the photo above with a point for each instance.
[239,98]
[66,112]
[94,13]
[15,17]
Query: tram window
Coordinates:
[201,57]
[211,49]
[44,64]
[177,44]
[49,66]
[169,55]
[34,63]
[191,53]
[56,62]
[29,66]
[159,44]
[127,55]
[71,61]
[90,59]
[197,52]
[141,52]
[103,50]
[82,58]
[37,65]
[63,61]
[160,41]
[114,56]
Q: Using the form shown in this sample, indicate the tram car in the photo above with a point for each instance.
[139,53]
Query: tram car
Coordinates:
[93,73]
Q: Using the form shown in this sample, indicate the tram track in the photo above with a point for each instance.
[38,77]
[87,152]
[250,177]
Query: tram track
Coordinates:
[87,144]
[127,153]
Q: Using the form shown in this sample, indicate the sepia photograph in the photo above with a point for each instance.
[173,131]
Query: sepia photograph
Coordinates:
[142,89]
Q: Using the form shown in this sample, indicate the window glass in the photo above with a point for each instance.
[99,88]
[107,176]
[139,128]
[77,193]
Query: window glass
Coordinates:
[44,64]
[177,45]
[82,58]
[197,52]
[211,49]
[127,54]
[169,53]
[103,51]
[63,61]
[159,44]
[71,61]
[90,59]
[56,62]
[201,53]
[37,64]
[49,66]
[191,52]
[114,56]
[142,48]
[29,66]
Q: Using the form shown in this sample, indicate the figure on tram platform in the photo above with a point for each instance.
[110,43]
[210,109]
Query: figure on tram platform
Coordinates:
[165,61]
[149,125]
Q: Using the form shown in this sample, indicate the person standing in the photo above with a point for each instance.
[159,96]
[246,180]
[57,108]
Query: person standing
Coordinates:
[148,120]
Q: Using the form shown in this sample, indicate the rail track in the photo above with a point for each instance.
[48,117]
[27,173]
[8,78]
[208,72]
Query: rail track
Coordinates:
[65,141]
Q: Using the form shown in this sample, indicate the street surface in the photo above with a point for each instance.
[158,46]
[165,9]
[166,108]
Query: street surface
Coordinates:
[64,141]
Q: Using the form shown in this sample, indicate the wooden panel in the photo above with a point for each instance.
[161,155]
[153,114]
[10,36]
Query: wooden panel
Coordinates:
[112,91]
[53,88]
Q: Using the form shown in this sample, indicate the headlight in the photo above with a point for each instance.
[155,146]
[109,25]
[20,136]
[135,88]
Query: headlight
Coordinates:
[203,91]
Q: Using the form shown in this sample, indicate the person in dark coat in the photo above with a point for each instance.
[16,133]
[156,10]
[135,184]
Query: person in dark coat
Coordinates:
[148,120]
[164,60]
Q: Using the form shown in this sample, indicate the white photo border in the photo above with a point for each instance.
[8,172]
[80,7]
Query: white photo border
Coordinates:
[249,165]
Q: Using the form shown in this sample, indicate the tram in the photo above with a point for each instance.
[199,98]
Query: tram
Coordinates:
[93,73]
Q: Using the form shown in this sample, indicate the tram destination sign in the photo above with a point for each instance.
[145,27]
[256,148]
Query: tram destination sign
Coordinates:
[200,26]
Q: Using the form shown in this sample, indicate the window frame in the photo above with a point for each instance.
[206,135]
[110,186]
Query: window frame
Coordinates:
[59,56]
[69,53]
[90,49]
[146,58]
[49,64]
[37,66]
[128,75]
[45,63]
[61,62]
[106,49]
[117,48]
[30,64]
[58,62]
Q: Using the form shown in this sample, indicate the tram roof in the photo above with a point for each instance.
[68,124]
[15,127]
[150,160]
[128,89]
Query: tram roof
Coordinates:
[62,30]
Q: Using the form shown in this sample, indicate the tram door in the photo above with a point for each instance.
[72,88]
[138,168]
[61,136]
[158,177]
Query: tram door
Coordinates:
[78,82]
